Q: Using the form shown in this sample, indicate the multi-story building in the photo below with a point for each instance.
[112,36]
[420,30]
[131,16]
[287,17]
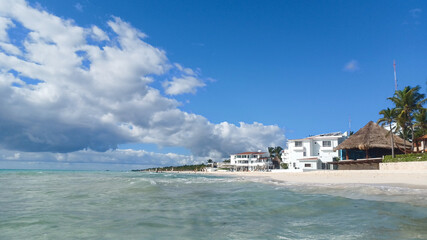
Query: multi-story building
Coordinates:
[251,161]
[313,152]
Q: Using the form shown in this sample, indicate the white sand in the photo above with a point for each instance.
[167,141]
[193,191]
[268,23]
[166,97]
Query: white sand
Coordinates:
[413,179]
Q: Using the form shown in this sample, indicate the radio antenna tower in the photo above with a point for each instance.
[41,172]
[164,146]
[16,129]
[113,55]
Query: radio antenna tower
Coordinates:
[395,78]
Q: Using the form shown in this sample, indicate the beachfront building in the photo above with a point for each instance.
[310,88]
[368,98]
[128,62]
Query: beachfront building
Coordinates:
[366,148]
[421,144]
[314,152]
[251,161]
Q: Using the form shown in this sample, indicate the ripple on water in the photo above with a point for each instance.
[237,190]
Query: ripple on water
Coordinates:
[99,205]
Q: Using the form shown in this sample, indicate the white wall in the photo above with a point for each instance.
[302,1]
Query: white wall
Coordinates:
[313,147]
[316,147]
[314,164]
[252,160]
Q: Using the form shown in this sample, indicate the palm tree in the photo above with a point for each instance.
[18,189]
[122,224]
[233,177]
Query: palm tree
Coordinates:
[420,122]
[275,155]
[271,151]
[275,151]
[407,101]
[389,117]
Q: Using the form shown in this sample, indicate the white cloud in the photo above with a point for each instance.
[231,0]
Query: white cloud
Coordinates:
[98,95]
[98,34]
[188,82]
[416,12]
[78,7]
[351,66]
[180,85]
[123,156]
[187,71]
[414,17]
[5,23]
[14,156]
[9,48]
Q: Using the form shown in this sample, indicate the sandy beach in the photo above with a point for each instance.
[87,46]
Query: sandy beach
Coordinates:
[412,179]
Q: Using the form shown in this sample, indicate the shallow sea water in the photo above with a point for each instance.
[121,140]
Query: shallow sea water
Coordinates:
[136,205]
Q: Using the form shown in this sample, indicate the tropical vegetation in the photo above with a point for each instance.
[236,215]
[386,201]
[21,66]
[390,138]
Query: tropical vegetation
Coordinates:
[389,117]
[408,116]
[275,155]
[198,167]
[284,166]
[275,151]
[412,157]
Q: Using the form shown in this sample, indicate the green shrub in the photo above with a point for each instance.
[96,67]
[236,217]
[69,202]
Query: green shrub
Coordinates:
[413,157]
[284,165]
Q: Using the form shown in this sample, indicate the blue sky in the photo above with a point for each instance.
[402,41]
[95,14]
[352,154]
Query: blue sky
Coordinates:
[285,69]
[281,62]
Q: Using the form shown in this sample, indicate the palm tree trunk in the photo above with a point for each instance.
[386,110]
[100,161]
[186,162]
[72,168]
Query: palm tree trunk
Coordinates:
[412,130]
[404,139]
[404,145]
[392,142]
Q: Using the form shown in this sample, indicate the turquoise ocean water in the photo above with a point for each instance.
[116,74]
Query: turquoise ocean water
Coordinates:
[135,205]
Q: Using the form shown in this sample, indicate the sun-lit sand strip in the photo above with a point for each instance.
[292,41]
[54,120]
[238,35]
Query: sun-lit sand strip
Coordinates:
[413,179]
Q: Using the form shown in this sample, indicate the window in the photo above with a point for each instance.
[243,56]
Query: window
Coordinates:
[304,154]
[327,143]
[307,165]
[298,143]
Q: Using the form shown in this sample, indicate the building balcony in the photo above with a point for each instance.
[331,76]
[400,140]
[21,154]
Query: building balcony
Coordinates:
[246,159]
[253,164]
[299,149]
[327,149]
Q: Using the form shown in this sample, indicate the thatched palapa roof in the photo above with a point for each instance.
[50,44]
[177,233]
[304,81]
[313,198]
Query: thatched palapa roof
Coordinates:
[371,136]
[422,138]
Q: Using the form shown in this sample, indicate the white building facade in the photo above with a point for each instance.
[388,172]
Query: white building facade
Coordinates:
[251,161]
[314,152]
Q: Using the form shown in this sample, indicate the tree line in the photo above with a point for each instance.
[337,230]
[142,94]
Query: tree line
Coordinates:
[407,118]
[196,167]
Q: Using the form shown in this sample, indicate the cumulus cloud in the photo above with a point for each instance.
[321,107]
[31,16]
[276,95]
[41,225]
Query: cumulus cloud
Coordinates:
[62,93]
[188,82]
[180,85]
[351,66]
[120,156]
[5,23]
[10,49]
[98,34]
